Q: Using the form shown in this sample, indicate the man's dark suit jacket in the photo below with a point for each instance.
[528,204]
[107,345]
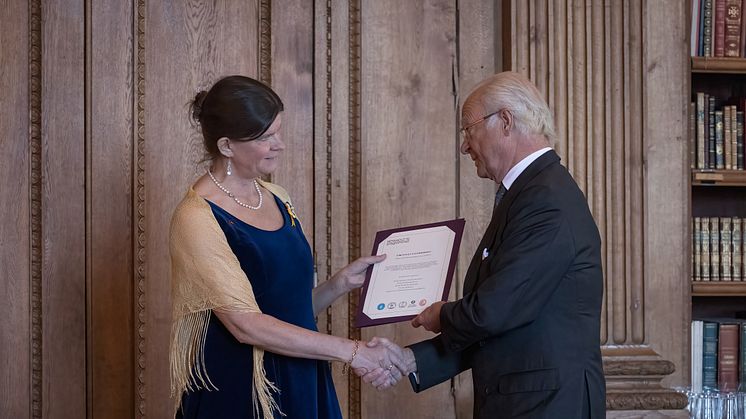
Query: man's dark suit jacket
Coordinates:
[528,324]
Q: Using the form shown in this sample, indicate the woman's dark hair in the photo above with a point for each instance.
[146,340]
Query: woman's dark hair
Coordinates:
[236,107]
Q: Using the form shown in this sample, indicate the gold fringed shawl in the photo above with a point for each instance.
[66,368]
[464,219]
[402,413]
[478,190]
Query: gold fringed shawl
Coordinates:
[206,275]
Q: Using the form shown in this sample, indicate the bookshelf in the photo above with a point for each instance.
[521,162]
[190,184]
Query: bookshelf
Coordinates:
[717,192]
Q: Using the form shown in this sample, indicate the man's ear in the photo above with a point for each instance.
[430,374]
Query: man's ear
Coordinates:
[506,119]
[224,147]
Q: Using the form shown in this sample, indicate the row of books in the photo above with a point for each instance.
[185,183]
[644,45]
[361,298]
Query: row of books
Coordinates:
[718,28]
[718,352]
[718,249]
[716,133]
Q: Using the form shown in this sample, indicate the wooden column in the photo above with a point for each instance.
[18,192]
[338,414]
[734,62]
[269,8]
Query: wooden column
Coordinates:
[613,67]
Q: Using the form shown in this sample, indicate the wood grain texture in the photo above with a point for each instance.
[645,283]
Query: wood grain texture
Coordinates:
[408,137]
[15,194]
[634,169]
[109,172]
[597,192]
[63,210]
[616,279]
[475,195]
[665,171]
[188,45]
[292,79]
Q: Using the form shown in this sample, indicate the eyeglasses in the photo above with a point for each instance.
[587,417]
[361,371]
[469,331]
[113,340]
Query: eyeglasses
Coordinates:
[464,131]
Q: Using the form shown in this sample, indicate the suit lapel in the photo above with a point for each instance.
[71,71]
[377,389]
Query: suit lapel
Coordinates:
[490,240]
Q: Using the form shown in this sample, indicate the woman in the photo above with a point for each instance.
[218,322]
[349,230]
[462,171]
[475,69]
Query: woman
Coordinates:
[238,252]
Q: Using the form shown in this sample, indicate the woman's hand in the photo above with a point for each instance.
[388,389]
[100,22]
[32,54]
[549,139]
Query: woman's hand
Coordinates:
[352,276]
[378,363]
[347,279]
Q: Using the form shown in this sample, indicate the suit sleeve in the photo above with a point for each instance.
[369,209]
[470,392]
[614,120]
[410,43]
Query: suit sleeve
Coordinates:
[435,364]
[530,262]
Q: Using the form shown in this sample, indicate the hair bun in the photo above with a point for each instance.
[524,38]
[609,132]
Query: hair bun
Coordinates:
[199,99]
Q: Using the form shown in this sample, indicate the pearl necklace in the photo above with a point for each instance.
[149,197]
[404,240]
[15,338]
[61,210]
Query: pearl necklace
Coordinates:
[229,193]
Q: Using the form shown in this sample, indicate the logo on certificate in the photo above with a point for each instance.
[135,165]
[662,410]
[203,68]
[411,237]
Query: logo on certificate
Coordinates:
[423,302]
[381,306]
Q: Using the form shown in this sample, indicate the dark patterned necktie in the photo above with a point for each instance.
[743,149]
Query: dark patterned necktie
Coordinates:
[500,193]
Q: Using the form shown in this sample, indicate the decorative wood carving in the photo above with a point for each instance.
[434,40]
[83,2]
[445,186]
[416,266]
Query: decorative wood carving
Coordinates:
[139,227]
[633,379]
[36,192]
[328,148]
[662,400]
[355,180]
[265,41]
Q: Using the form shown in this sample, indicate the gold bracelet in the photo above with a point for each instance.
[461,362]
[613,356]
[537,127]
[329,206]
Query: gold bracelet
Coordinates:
[346,366]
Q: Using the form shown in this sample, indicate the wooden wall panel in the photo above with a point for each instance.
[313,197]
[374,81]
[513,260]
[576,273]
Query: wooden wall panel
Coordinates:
[616,66]
[292,79]
[63,210]
[15,225]
[109,120]
[476,55]
[408,128]
[187,46]
[665,196]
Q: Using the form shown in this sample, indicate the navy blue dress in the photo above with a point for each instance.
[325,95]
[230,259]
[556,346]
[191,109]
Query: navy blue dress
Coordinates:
[280,266]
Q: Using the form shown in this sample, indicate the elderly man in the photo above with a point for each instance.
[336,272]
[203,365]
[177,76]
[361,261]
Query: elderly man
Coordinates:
[528,323]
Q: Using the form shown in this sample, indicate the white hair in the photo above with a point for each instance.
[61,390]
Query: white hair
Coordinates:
[516,93]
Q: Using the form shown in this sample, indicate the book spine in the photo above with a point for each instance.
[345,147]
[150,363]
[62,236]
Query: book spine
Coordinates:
[739,141]
[737,249]
[719,143]
[701,140]
[743,249]
[728,357]
[705,266]
[733,28]
[697,251]
[727,144]
[743,30]
[725,249]
[709,355]
[696,355]
[714,249]
[711,132]
[707,40]
[695,28]
[743,358]
[734,137]
[719,24]
[692,136]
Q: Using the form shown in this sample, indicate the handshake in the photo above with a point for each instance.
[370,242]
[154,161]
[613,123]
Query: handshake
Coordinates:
[382,363]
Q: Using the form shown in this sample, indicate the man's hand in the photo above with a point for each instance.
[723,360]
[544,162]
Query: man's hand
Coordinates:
[429,318]
[402,363]
[379,363]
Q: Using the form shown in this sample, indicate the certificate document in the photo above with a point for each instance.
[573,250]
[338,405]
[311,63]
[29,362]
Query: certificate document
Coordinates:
[417,272]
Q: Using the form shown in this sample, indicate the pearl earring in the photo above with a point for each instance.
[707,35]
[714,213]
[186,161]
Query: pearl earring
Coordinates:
[229,169]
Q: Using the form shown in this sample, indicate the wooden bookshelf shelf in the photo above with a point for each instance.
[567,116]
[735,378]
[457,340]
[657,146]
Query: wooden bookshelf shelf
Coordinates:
[719,177]
[718,65]
[719,289]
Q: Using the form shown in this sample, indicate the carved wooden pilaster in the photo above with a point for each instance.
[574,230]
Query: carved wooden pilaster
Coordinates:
[139,211]
[587,58]
[633,380]
[36,196]
[355,183]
